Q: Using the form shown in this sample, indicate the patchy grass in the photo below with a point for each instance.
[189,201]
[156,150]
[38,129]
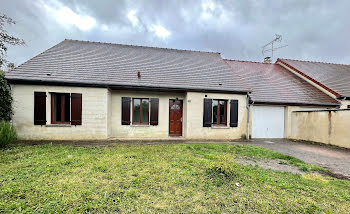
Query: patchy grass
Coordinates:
[160,178]
[259,152]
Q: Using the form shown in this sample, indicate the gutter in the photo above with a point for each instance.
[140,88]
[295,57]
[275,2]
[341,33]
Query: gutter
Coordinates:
[297,104]
[248,118]
[121,87]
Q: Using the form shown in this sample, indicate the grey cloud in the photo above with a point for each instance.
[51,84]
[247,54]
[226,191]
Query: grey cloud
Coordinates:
[314,30]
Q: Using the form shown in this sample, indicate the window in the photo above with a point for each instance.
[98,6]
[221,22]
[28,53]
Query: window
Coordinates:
[140,111]
[144,111]
[60,108]
[219,112]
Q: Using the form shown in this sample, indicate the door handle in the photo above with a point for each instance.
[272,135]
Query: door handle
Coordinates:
[181,119]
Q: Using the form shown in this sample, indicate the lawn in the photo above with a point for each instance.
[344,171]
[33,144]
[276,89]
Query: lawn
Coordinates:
[161,178]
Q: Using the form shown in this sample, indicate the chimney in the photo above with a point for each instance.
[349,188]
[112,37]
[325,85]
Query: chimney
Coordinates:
[267,59]
[139,75]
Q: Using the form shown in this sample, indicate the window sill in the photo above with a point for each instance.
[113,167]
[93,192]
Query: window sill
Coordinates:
[58,125]
[140,125]
[219,127]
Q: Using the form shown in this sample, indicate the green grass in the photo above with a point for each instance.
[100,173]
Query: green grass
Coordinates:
[160,178]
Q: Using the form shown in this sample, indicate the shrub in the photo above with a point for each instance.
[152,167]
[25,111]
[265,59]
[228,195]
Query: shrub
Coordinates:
[8,134]
[6,99]
[224,165]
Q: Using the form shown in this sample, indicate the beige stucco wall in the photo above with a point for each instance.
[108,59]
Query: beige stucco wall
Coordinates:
[194,121]
[142,131]
[101,115]
[345,104]
[329,127]
[94,114]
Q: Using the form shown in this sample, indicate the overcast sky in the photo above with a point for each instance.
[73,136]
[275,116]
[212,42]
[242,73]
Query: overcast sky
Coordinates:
[317,30]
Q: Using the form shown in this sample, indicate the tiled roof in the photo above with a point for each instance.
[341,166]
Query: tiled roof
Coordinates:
[271,83]
[109,64]
[333,77]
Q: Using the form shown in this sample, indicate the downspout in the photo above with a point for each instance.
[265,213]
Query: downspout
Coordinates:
[248,118]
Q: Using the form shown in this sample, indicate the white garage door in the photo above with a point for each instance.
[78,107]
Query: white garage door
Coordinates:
[267,122]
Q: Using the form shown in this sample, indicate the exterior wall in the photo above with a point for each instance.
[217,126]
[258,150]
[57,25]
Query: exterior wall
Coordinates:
[345,104]
[288,110]
[329,127]
[101,115]
[161,131]
[194,119]
[94,114]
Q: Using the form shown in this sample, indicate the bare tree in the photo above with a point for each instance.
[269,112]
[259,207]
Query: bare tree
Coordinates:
[6,38]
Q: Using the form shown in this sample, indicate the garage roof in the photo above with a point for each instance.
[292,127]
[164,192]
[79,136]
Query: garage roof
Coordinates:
[116,65]
[333,77]
[271,83]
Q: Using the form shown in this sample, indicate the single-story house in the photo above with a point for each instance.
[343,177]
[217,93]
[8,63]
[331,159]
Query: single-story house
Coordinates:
[89,90]
[332,79]
[276,93]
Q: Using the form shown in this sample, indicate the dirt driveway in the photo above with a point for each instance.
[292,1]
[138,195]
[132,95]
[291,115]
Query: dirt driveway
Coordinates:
[337,160]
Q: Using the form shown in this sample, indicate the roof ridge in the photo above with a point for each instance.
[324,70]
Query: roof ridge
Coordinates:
[236,60]
[331,63]
[141,46]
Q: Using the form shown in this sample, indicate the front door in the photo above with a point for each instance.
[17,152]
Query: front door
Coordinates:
[175,117]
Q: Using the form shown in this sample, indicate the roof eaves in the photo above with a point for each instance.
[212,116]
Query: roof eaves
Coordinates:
[106,85]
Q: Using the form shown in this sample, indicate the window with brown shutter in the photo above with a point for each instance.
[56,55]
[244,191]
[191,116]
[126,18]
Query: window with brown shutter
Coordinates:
[76,108]
[60,108]
[39,108]
[140,111]
[154,111]
[233,113]
[126,110]
[219,112]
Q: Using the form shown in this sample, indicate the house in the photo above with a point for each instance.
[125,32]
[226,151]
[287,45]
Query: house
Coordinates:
[332,79]
[89,90]
[276,93]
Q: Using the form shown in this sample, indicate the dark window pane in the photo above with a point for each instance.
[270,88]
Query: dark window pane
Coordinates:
[57,107]
[215,111]
[222,112]
[66,108]
[137,110]
[144,111]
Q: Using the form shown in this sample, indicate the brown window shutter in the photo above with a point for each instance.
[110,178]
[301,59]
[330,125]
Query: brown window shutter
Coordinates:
[126,110]
[233,113]
[76,107]
[39,108]
[207,113]
[154,111]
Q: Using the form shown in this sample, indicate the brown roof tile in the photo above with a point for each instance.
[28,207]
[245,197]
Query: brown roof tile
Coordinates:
[333,77]
[271,83]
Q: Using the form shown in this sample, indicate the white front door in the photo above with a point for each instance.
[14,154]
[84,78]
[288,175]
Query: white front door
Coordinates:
[267,122]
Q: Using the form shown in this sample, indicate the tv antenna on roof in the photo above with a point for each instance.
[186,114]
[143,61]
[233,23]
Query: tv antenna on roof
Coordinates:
[269,47]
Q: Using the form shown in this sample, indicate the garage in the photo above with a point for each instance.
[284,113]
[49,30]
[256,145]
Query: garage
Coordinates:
[267,122]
